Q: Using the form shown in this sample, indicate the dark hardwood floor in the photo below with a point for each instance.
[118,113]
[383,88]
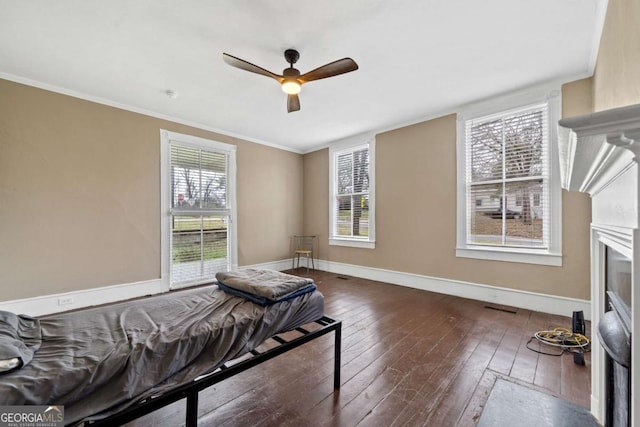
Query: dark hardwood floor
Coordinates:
[409,357]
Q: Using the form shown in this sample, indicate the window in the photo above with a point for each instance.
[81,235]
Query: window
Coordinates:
[507,159]
[352,204]
[536,199]
[198,202]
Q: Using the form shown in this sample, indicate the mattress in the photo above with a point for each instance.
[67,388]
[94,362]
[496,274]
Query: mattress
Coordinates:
[100,360]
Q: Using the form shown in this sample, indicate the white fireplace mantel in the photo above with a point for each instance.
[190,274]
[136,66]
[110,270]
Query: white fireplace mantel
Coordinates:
[587,144]
[599,155]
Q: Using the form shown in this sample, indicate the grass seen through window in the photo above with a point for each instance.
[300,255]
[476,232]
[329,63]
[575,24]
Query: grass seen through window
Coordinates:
[196,238]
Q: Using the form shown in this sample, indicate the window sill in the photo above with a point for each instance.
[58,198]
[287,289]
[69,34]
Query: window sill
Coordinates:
[511,255]
[367,244]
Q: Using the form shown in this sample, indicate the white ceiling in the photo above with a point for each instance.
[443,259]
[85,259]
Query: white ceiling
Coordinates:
[417,58]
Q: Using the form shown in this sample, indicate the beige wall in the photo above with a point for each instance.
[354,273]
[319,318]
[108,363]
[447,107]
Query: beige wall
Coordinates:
[416,212]
[79,191]
[80,194]
[617,75]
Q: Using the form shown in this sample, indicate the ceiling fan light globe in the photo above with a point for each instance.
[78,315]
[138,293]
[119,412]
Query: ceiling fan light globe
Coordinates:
[291,87]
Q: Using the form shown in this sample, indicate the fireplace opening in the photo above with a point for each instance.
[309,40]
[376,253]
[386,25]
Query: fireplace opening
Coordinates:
[614,330]
[618,283]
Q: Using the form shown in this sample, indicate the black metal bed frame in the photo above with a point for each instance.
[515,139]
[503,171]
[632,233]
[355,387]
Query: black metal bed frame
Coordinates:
[190,390]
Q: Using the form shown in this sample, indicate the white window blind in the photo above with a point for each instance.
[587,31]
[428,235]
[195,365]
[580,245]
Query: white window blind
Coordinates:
[351,199]
[507,179]
[200,214]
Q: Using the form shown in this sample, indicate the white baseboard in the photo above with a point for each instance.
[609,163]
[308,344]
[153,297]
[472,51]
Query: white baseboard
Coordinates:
[55,303]
[48,304]
[284,264]
[504,296]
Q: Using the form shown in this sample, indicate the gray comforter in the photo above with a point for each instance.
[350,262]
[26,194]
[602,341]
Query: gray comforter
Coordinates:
[20,338]
[100,360]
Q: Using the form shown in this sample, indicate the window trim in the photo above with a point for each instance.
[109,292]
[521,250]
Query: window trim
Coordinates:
[166,137]
[334,149]
[551,95]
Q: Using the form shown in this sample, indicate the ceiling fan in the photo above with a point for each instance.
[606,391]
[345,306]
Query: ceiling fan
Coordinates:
[291,80]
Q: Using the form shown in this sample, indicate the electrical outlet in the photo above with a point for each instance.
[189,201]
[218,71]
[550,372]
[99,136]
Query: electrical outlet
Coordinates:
[65,301]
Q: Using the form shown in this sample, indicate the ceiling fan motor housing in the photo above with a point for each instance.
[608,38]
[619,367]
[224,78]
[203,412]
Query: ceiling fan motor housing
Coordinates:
[289,73]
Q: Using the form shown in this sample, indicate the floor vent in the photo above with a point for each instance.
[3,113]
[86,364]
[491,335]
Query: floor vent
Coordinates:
[505,309]
[342,278]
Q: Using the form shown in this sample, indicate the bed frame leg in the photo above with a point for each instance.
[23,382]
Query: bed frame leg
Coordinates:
[336,357]
[192,409]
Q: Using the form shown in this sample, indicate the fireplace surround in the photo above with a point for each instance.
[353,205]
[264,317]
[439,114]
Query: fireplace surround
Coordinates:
[599,156]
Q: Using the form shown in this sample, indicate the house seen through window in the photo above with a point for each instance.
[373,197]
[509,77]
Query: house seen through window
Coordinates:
[509,198]
[505,169]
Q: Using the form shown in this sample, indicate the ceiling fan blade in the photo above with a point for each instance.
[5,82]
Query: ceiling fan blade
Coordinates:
[341,66]
[248,66]
[293,103]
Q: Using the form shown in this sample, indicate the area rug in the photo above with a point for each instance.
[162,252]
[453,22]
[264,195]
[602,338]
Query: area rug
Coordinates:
[511,405]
